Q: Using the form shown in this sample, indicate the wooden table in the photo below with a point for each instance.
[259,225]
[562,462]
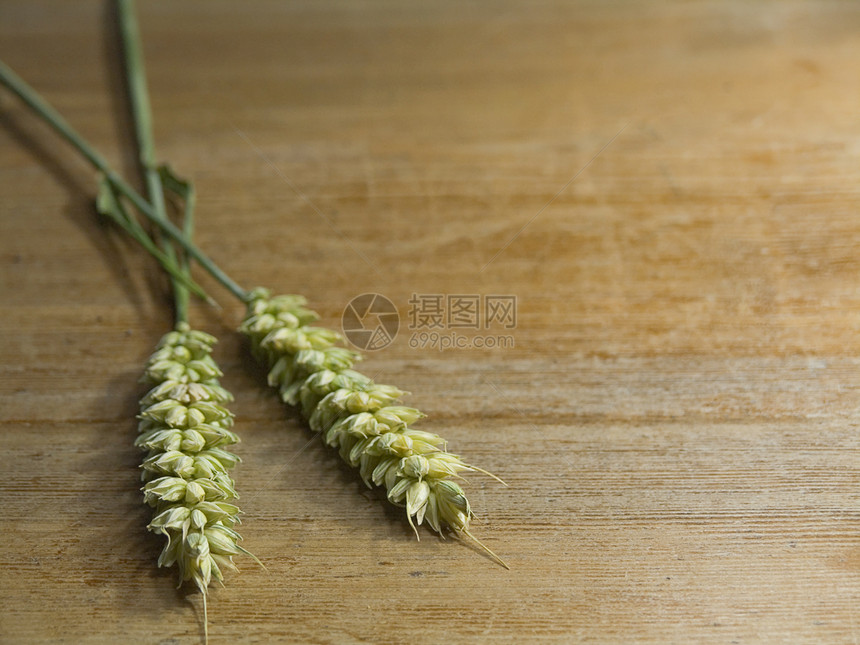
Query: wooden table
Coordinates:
[670,190]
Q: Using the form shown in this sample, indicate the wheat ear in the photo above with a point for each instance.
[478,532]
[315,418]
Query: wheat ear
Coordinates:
[185,428]
[357,416]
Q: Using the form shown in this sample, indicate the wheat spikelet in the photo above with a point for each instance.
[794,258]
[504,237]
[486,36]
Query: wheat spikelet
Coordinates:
[358,417]
[185,428]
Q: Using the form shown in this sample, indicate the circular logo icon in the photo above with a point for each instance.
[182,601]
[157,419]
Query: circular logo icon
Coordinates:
[370,321]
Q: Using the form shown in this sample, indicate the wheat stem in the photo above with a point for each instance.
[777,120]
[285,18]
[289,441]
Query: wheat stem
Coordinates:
[142,116]
[43,109]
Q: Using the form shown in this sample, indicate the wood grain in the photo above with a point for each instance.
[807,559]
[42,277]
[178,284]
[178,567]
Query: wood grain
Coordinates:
[677,420]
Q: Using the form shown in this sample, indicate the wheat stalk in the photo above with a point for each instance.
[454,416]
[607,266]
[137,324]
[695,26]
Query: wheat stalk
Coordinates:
[357,416]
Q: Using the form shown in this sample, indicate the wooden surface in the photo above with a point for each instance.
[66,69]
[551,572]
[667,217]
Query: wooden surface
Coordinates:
[677,420]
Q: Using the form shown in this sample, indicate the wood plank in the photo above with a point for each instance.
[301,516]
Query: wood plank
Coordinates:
[669,190]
